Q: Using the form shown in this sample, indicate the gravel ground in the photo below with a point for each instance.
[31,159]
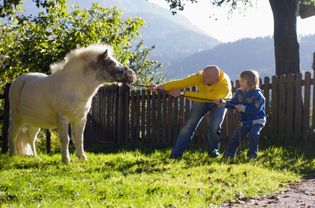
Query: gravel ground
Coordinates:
[299,195]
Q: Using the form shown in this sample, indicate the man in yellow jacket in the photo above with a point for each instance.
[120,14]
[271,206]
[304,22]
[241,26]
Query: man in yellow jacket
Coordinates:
[212,84]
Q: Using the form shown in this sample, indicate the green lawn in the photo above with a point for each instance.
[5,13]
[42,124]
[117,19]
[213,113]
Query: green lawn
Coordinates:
[146,179]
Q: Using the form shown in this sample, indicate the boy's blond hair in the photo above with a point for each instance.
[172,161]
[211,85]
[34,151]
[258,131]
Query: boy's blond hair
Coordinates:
[252,78]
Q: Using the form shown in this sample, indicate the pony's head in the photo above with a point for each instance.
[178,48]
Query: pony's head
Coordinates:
[110,70]
[97,60]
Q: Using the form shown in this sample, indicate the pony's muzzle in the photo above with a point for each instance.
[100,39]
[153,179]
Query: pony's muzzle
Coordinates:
[131,76]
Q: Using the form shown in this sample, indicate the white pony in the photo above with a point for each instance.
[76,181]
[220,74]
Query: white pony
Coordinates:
[64,97]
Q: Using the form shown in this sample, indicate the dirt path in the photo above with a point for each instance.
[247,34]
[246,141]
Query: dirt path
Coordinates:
[300,195]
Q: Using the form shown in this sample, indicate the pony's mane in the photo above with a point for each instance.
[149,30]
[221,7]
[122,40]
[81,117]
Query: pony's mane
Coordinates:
[81,53]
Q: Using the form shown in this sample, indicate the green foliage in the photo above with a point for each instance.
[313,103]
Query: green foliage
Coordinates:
[33,43]
[54,142]
[148,70]
[146,179]
[307,2]
[9,7]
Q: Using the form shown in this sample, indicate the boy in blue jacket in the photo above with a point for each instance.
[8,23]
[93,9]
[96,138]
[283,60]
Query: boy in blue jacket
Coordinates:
[250,102]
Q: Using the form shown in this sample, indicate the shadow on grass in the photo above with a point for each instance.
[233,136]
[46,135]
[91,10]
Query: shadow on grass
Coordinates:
[111,149]
[23,162]
[278,158]
[290,158]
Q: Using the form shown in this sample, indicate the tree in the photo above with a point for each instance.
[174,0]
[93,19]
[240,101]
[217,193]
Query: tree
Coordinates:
[286,45]
[285,36]
[9,7]
[29,43]
[148,70]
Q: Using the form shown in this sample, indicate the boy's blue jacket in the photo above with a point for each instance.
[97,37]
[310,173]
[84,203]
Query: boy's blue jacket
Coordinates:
[254,103]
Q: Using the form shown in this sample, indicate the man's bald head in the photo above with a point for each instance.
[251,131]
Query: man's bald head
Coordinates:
[210,75]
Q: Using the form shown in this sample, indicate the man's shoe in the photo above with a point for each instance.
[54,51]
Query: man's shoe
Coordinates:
[252,157]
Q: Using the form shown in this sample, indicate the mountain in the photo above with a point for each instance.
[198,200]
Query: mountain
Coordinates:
[174,36]
[237,56]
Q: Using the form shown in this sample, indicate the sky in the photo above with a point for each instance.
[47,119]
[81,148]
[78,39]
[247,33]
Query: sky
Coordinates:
[256,21]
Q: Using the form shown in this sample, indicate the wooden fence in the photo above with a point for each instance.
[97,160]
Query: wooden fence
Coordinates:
[138,117]
[121,116]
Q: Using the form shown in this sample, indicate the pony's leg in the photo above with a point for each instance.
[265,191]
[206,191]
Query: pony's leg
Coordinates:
[14,129]
[64,139]
[32,136]
[78,129]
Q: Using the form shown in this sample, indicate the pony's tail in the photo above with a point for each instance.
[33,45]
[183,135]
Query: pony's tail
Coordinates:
[22,145]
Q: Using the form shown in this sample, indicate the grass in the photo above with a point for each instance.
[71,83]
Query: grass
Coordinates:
[146,179]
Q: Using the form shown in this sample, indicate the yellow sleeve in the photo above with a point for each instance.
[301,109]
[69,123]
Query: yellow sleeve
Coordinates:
[222,93]
[182,83]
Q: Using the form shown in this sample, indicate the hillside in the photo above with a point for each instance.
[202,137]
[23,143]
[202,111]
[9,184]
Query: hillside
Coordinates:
[234,57]
[174,36]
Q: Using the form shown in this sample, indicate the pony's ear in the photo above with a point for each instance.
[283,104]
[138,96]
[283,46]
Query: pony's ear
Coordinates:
[103,56]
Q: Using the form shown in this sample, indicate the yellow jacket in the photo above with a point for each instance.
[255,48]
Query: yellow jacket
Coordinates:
[221,89]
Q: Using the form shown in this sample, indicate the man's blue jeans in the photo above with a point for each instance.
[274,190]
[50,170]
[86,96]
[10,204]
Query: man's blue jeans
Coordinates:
[253,134]
[196,114]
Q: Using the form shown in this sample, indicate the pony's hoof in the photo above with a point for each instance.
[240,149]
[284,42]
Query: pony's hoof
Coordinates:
[37,158]
[82,157]
[66,160]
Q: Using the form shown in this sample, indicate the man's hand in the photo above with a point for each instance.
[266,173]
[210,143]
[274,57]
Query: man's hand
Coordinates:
[154,87]
[174,93]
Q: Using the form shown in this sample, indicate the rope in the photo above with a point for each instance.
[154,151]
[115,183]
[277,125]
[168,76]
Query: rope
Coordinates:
[185,96]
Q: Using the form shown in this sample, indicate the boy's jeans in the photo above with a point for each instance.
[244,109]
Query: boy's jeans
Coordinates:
[253,133]
[196,114]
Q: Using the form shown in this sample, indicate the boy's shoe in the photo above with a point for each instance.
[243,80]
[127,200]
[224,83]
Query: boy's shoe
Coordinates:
[227,156]
[213,154]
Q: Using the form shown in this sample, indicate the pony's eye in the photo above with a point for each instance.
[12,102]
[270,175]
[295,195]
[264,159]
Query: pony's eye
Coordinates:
[120,71]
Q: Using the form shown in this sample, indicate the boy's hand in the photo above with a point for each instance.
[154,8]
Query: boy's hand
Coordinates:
[219,102]
[240,108]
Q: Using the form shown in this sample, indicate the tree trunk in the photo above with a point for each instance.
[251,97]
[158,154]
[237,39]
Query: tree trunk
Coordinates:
[313,61]
[285,36]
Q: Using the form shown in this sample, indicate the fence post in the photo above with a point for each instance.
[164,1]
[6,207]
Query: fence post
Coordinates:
[6,118]
[274,106]
[48,141]
[121,114]
[307,107]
